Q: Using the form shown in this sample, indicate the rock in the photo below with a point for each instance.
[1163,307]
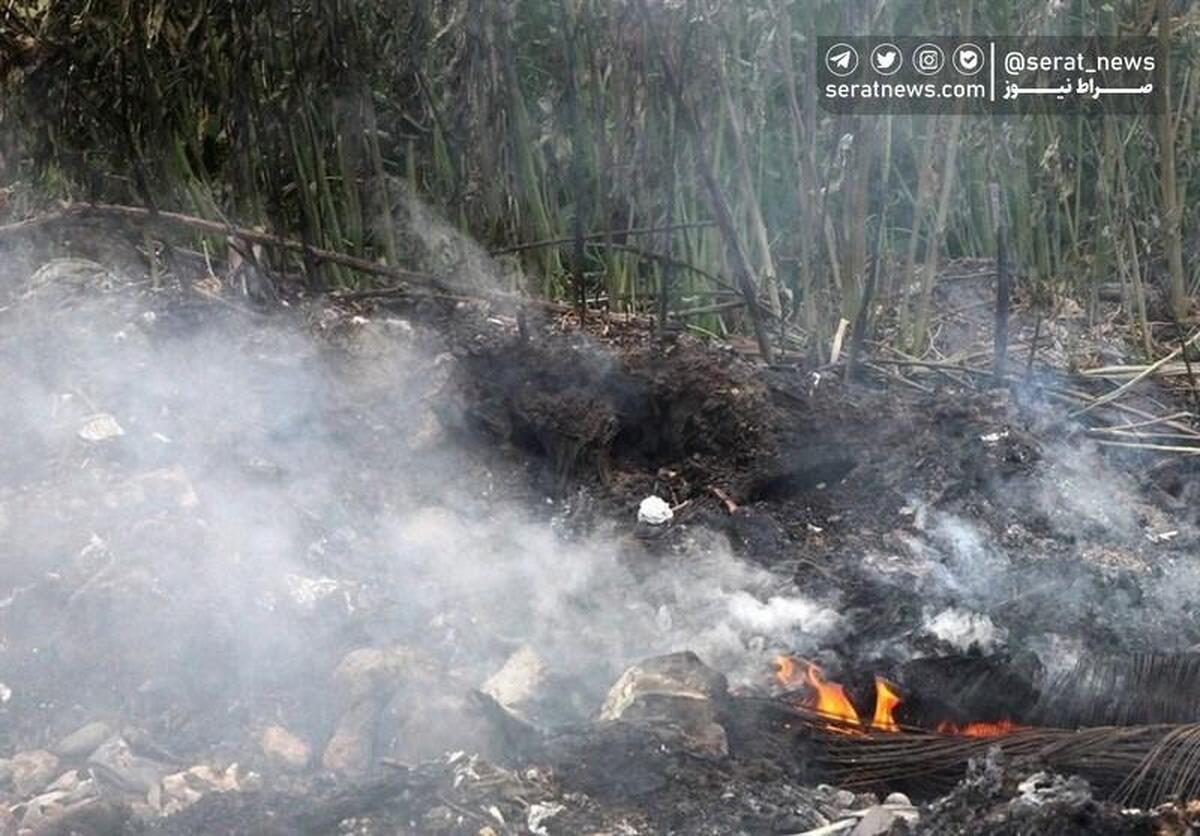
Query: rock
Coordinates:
[898,799]
[184,789]
[83,741]
[115,763]
[30,772]
[844,799]
[374,672]
[285,749]
[676,690]
[349,751]
[70,781]
[519,682]
[69,793]
[370,679]
[8,822]
[89,817]
[877,822]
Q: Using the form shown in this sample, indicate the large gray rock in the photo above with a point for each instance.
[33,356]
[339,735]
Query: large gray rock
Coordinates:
[366,680]
[83,741]
[115,763]
[677,691]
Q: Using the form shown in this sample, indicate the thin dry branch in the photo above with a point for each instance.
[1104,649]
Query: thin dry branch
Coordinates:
[139,214]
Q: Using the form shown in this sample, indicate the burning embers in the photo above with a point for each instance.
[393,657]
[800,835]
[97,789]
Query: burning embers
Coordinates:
[829,699]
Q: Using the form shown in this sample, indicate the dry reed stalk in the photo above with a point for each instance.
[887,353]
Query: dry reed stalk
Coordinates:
[1145,764]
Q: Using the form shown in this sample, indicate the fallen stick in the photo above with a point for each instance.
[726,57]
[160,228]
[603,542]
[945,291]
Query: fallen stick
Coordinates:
[1149,370]
[839,826]
[253,236]
[1139,435]
[725,498]
[1121,372]
[1076,396]
[710,309]
[1153,421]
[1159,448]
[899,378]
[1071,395]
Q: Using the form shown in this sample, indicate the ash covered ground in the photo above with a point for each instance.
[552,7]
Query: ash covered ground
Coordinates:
[322,568]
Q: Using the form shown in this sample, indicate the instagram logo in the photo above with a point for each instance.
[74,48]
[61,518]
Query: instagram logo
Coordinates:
[928,59]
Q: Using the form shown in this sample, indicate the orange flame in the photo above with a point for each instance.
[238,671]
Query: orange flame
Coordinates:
[829,698]
[787,671]
[998,728]
[886,701]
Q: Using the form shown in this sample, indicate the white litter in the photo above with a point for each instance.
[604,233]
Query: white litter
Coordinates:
[5,693]
[100,427]
[964,629]
[655,511]
[539,814]
[307,592]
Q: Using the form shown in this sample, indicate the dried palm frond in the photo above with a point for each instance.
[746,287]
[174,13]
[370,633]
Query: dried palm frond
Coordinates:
[1140,689]
[1144,765]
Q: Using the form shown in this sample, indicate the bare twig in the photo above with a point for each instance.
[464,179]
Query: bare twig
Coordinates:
[1158,448]
[252,236]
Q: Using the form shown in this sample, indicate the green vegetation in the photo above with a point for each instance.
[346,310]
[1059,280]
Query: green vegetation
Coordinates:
[542,120]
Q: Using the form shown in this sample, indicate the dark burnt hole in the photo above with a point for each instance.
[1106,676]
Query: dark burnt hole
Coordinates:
[801,471]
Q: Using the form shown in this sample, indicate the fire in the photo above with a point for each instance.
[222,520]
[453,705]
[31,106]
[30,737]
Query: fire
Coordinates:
[886,701]
[999,728]
[830,699]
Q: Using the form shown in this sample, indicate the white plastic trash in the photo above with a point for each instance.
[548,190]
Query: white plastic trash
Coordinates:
[655,511]
[100,427]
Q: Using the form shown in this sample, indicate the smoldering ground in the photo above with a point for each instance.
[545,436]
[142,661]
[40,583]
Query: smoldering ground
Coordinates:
[202,510]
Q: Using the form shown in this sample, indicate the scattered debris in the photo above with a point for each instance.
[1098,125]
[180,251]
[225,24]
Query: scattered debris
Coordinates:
[183,789]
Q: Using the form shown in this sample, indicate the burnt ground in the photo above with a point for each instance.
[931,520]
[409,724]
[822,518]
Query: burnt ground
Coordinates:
[894,504]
